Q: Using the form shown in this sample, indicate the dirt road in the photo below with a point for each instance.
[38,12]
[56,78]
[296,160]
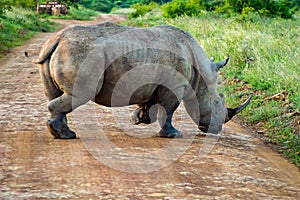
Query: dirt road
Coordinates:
[35,166]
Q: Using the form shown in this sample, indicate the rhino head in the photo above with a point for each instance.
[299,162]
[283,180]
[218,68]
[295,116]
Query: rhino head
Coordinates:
[207,118]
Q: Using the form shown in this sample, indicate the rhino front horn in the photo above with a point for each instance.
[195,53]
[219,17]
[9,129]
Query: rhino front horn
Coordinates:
[222,63]
[231,112]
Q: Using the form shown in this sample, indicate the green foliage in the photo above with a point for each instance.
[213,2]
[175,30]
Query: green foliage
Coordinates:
[98,5]
[23,3]
[19,25]
[4,6]
[156,1]
[291,148]
[171,9]
[78,12]
[247,8]
[124,4]
[208,5]
[142,9]
[107,5]
[180,7]
[269,8]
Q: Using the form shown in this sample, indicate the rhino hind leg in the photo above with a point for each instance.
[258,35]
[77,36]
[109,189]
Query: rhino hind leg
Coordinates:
[59,107]
[60,130]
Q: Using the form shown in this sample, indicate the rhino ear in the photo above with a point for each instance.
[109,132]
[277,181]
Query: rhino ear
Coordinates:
[221,64]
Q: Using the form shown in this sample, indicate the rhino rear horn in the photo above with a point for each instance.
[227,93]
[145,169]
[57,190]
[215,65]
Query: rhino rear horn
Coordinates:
[222,63]
[234,111]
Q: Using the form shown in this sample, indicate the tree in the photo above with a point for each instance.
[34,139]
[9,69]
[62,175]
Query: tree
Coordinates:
[101,5]
[271,8]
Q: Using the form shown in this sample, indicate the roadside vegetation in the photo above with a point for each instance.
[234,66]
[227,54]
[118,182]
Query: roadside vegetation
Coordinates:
[264,50]
[18,25]
[19,21]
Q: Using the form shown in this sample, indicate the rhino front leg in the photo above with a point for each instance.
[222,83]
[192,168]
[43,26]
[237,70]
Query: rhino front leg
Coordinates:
[165,120]
[168,103]
[59,107]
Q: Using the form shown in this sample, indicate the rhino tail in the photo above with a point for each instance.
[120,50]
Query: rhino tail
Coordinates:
[47,51]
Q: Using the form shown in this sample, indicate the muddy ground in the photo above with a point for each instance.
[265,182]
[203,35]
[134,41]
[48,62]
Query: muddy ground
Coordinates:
[132,163]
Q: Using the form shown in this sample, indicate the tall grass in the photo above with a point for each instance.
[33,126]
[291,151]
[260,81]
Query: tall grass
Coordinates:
[264,59]
[264,54]
[18,25]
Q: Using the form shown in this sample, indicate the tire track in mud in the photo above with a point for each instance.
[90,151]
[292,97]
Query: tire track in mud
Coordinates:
[35,166]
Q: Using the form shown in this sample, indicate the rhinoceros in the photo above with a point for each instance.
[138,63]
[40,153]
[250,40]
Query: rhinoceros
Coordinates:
[155,68]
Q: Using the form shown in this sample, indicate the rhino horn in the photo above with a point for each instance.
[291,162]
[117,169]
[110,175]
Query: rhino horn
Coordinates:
[234,111]
[222,63]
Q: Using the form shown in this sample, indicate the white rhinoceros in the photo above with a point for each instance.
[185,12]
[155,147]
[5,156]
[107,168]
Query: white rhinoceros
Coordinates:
[116,65]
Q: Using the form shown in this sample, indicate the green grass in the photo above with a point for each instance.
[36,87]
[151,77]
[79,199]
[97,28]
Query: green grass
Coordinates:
[264,59]
[18,25]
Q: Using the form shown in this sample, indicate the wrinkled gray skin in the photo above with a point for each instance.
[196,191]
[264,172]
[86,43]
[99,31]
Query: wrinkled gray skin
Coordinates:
[115,65]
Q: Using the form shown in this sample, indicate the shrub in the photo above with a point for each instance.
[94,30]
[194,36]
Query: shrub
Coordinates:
[4,6]
[19,25]
[80,13]
[269,8]
[141,9]
[180,7]
[208,5]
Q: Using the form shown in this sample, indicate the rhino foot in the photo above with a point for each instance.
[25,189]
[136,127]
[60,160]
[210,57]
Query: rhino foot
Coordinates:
[139,116]
[60,130]
[170,133]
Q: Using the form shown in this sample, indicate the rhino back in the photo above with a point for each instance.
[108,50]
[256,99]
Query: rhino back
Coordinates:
[120,49]
[75,49]
[78,33]
[142,59]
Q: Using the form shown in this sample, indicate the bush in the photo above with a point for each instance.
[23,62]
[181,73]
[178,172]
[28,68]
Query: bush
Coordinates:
[4,6]
[142,9]
[80,13]
[208,5]
[19,25]
[180,7]
[268,8]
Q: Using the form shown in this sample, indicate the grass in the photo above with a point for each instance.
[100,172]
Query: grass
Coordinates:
[18,25]
[264,59]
